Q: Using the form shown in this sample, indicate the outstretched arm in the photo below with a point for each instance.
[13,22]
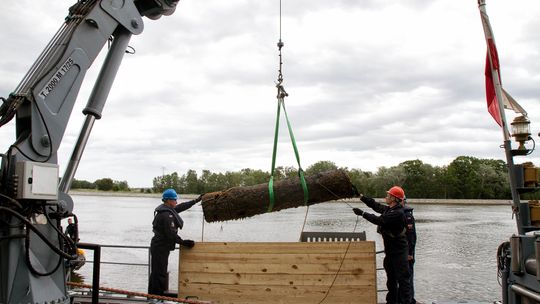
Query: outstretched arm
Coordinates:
[371,203]
[186,205]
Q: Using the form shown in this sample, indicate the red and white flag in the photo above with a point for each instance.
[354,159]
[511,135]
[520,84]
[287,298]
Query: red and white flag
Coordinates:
[492,64]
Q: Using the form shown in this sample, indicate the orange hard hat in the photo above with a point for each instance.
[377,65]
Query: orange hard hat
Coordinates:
[397,191]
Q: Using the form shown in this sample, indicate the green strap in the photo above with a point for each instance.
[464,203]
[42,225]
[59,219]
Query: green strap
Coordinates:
[271,181]
[271,195]
[300,170]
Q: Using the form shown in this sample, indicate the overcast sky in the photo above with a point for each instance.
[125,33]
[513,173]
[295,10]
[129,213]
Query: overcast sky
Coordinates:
[371,83]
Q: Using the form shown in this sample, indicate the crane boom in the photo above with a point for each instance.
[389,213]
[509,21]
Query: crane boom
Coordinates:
[32,201]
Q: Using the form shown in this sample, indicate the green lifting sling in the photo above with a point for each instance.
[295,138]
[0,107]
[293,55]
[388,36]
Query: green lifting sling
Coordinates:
[281,103]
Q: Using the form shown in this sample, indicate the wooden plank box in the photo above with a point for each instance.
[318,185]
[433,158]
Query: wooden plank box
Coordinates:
[336,272]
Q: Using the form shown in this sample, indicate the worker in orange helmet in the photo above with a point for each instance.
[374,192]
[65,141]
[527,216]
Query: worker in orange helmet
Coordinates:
[391,225]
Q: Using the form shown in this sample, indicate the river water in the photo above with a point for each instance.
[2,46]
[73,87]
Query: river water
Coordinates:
[455,253]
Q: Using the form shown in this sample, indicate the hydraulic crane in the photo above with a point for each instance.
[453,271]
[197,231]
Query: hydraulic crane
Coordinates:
[33,199]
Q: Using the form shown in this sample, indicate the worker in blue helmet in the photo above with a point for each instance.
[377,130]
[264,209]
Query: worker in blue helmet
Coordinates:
[165,226]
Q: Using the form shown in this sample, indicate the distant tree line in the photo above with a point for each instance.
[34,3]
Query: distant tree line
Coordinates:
[465,177]
[103,184]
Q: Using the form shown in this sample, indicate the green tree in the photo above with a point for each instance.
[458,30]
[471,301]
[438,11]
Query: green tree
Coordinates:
[82,184]
[252,177]
[205,180]
[418,177]
[191,182]
[493,178]
[120,186]
[215,182]
[439,186]
[104,184]
[386,178]
[321,166]
[463,178]
[281,172]
[232,179]
[361,180]
[160,183]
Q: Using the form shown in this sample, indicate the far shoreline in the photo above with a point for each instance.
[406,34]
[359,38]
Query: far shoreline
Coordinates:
[411,201]
[125,194]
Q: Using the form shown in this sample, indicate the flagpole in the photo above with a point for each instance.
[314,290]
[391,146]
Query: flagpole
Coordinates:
[494,73]
[506,135]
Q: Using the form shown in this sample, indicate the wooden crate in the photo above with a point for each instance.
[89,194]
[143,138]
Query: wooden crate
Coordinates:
[279,272]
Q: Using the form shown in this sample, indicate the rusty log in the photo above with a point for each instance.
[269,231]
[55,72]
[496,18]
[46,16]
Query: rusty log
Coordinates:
[241,202]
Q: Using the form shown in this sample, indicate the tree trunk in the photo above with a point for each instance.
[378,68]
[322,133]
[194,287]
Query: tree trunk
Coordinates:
[240,202]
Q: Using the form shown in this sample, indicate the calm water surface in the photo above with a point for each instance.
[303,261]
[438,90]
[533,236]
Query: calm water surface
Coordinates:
[456,250]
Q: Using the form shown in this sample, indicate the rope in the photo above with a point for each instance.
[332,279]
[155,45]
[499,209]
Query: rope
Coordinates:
[138,294]
[305,220]
[346,250]
[202,230]
[330,191]
[340,265]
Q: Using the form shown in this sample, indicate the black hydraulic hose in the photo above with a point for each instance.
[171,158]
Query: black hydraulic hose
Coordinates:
[38,233]
[70,243]
[11,200]
[29,263]
[502,262]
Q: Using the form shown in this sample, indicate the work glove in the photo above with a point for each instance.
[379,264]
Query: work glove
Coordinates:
[187,243]
[358,211]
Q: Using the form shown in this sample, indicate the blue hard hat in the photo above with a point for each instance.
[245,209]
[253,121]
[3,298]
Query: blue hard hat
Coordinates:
[169,194]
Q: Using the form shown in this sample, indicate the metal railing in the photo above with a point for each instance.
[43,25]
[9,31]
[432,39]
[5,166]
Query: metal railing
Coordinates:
[97,262]
[380,269]
[310,236]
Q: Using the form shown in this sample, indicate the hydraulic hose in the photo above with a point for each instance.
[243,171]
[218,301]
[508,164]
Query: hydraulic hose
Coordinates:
[29,225]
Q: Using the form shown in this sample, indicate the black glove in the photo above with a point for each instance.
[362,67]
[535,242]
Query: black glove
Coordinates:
[187,243]
[357,211]
[198,199]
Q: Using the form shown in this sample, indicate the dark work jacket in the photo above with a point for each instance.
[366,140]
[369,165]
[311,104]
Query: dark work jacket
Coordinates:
[411,229]
[391,224]
[166,224]
[71,231]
